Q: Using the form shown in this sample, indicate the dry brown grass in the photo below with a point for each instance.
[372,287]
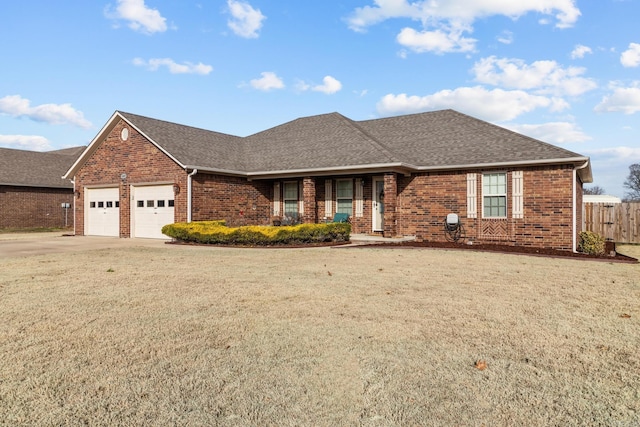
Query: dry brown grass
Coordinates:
[375,337]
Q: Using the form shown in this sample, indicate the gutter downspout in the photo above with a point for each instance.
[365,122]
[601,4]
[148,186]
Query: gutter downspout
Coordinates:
[189,189]
[575,208]
[73,181]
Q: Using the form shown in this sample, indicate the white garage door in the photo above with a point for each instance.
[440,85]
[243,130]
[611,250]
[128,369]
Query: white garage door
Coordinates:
[153,208]
[103,216]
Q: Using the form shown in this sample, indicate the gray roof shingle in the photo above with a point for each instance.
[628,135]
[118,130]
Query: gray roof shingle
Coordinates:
[450,138]
[193,146]
[440,139]
[37,169]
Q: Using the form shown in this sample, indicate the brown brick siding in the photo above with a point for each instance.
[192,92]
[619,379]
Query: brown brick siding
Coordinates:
[141,161]
[233,199]
[424,201]
[26,207]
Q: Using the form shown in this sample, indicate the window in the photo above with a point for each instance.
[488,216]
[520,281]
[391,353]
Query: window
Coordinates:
[92,204]
[344,196]
[290,198]
[101,204]
[117,204]
[141,203]
[171,202]
[160,203]
[109,204]
[494,195]
[150,203]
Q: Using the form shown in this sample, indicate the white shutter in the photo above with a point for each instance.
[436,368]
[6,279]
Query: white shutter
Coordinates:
[359,199]
[301,199]
[328,199]
[276,199]
[517,190]
[472,195]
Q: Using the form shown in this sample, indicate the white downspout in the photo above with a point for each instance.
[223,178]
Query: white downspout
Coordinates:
[575,208]
[575,219]
[189,185]
[73,181]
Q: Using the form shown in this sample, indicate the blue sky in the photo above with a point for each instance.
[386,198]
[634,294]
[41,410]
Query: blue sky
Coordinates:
[563,71]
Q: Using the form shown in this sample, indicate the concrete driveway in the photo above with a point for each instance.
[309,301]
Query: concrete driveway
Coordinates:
[28,244]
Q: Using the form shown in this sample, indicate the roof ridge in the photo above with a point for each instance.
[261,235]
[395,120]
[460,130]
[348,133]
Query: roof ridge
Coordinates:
[127,115]
[373,140]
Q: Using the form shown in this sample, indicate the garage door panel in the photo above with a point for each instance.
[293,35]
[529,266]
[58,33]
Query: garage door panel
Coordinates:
[153,209]
[103,216]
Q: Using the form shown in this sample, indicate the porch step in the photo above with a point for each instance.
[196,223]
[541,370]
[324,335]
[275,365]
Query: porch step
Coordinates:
[364,239]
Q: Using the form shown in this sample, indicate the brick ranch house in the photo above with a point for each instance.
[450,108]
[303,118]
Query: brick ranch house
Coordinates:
[32,191]
[397,176]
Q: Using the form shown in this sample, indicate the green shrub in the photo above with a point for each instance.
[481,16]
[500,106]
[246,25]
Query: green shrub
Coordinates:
[217,233]
[591,243]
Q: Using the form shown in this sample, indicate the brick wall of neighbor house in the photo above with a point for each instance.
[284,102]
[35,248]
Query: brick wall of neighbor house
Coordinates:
[143,163]
[424,200]
[234,199]
[26,207]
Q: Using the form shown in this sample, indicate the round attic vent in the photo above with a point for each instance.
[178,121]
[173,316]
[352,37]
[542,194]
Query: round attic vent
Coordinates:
[124,135]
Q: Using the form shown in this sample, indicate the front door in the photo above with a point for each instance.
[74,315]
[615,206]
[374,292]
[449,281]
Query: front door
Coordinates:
[378,204]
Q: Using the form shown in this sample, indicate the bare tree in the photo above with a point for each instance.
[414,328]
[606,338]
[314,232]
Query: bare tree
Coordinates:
[632,184]
[595,190]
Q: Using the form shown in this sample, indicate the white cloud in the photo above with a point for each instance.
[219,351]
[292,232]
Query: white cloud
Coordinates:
[623,100]
[439,41]
[267,82]
[329,86]
[141,18]
[495,105]
[552,132]
[56,114]
[464,11]
[631,56]
[624,154]
[25,142]
[246,21]
[174,68]
[506,37]
[544,77]
[580,51]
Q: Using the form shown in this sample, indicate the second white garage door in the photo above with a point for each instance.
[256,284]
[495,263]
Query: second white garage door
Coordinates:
[153,208]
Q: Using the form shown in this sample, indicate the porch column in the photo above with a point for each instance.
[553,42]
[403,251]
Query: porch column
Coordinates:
[310,214]
[390,203]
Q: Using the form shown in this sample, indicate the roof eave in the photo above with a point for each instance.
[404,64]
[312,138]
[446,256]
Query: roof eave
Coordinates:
[583,161]
[220,171]
[401,168]
[62,186]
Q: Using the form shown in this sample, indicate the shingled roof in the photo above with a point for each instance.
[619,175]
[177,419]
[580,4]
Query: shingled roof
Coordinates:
[323,143]
[36,169]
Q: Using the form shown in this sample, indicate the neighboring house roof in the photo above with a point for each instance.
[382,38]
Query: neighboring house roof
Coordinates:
[331,143]
[600,198]
[37,169]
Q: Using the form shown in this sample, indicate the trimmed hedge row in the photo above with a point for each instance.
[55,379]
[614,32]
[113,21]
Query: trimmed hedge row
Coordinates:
[217,233]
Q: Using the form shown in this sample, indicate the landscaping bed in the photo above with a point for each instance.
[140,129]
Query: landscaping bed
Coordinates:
[527,250]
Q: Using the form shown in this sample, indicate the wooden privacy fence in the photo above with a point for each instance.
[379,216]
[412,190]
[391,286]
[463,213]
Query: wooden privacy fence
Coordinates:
[619,222]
